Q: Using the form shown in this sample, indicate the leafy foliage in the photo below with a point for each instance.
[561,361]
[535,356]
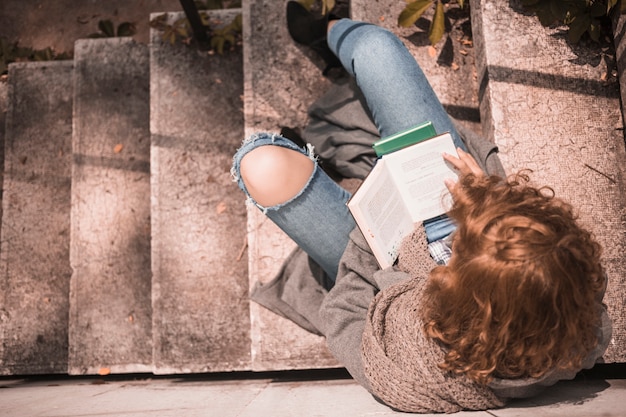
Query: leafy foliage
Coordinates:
[415,9]
[12,52]
[581,16]
[180,31]
[226,35]
[107,29]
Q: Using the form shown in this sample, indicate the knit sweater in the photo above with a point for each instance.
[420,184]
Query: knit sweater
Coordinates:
[399,362]
[372,327]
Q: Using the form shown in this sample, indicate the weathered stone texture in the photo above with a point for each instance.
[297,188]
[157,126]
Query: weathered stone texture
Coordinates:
[449,65]
[619,38]
[3,112]
[277,343]
[281,80]
[199,262]
[545,104]
[34,251]
[111,317]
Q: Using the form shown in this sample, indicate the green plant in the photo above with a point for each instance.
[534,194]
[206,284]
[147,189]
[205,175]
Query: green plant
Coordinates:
[226,34]
[107,29]
[180,31]
[415,9]
[409,15]
[12,52]
[581,16]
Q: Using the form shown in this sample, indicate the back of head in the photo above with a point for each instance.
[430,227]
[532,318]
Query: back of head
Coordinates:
[520,295]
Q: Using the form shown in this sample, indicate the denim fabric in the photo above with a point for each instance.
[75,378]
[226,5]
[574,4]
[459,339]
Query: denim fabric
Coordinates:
[399,97]
[397,92]
[317,219]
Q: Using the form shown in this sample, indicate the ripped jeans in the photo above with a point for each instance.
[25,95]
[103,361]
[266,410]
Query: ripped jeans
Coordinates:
[398,96]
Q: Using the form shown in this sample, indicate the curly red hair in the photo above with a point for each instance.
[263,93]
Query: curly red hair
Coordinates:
[520,294]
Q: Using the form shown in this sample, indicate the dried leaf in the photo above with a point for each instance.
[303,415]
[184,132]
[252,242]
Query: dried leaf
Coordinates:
[126,29]
[412,12]
[104,371]
[438,25]
[107,27]
[327,6]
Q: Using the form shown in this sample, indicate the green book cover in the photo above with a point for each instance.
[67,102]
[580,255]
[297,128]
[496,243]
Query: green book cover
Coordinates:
[405,138]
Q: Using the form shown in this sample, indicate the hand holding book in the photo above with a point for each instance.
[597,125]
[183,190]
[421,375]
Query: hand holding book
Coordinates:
[465,164]
[405,187]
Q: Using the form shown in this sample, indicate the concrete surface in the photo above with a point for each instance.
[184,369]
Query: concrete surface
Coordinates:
[110,303]
[449,65]
[199,260]
[619,34]
[3,112]
[34,249]
[58,24]
[310,394]
[543,102]
[281,80]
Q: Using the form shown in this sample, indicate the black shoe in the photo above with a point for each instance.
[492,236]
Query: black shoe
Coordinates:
[309,30]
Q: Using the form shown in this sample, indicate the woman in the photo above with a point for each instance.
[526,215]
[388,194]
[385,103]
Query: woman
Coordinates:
[515,307]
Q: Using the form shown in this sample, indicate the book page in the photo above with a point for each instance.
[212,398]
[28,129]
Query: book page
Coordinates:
[381,214]
[419,171]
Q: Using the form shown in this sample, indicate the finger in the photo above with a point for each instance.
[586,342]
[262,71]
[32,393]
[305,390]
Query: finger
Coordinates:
[450,184]
[458,163]
[470,162]
[454,161]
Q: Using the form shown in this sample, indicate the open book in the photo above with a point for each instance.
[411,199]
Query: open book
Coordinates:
[404,187]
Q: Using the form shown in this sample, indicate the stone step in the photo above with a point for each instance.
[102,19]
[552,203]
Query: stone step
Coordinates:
[280,82]
[529,94]
[4,102]
[200,301]
[34,249]
[544,103]
[619,34]
[110,326]
[449,67]
[161,275]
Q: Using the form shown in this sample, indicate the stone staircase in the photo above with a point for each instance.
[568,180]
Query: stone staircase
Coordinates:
[126,248]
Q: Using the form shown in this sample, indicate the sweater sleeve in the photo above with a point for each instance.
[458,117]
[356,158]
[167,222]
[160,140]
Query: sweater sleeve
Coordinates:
[344,309]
